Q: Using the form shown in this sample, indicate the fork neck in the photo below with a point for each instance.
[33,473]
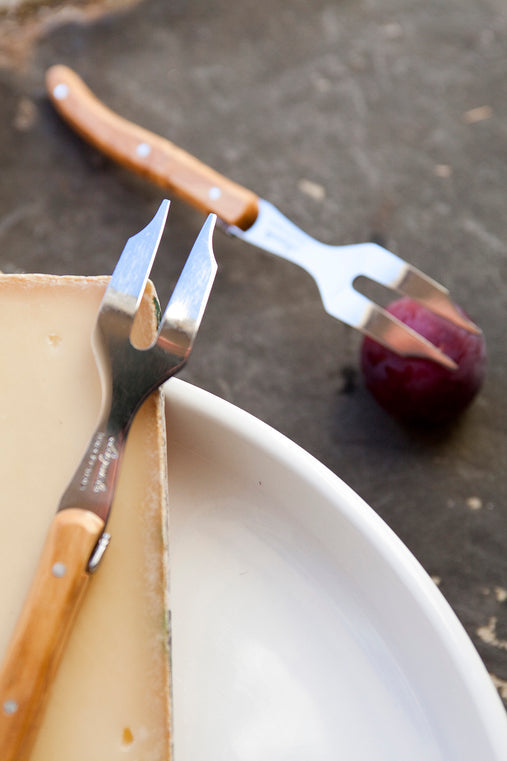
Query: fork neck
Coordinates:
[92,486]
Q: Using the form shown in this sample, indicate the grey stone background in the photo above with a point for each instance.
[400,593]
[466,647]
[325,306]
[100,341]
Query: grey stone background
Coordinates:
[359,119]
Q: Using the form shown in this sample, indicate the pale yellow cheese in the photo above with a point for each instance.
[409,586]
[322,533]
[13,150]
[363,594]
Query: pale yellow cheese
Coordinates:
[111,698]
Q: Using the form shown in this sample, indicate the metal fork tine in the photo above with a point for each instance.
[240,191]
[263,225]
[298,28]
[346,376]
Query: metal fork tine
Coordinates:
[186,306]
[396,336]
[388,269]
[418,286]
[359,312]
[131,273]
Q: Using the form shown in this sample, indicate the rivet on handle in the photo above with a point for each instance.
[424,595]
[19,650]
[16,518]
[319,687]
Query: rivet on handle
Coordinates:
[10,707]
[59,570]
[61,91]
[143,150]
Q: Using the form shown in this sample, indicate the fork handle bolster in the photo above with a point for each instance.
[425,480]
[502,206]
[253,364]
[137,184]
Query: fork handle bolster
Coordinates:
[147,154]
[43,628]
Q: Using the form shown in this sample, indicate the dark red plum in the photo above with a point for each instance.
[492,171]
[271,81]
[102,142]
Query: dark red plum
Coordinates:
[419,390]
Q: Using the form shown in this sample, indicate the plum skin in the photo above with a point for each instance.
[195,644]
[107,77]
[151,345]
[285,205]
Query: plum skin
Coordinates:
[417,390]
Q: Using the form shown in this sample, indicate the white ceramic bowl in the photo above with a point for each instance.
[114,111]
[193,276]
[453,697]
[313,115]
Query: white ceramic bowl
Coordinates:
[303,629]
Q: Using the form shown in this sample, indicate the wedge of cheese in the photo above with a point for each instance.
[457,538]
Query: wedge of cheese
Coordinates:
[111,697]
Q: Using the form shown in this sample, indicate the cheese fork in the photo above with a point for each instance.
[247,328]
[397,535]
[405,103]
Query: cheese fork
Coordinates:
[242,214]
[77,539]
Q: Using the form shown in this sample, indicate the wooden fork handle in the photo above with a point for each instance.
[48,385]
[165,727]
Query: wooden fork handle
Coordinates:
[151,156]
[42,630]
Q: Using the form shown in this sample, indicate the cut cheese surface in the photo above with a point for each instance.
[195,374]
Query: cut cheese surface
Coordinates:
[111,697]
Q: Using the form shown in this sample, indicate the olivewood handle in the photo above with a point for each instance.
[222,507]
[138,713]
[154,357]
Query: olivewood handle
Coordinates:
[42,630]
[149,155]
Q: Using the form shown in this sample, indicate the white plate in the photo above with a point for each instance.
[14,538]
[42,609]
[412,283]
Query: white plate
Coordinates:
[303,629]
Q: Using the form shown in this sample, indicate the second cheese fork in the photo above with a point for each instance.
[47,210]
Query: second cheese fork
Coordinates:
[244,215]
[76,539]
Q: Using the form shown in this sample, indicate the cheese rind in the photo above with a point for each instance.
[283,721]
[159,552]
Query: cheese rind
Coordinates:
[111,697]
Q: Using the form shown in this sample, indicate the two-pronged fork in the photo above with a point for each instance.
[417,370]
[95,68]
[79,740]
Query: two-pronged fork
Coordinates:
[334,268]
[77,540]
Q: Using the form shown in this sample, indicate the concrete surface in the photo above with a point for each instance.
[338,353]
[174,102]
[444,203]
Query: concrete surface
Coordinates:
[360,120]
